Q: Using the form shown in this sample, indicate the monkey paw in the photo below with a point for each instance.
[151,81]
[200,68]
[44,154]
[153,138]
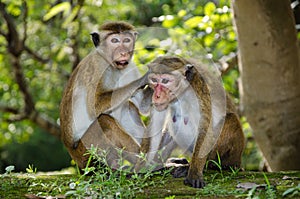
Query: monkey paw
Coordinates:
[177,161]
[196,183]
[179,167]
[179,171]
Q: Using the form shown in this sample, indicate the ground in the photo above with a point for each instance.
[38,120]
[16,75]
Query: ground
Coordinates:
[219,184]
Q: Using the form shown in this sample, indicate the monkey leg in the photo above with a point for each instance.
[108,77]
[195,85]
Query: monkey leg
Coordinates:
[105,134]
[197,163]
[118,140]
[195,173]
[155,157]
[230,144]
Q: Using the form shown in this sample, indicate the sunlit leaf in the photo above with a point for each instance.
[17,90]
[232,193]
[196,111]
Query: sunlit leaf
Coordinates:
[71,17]
[181,13]
[225,18]
[209,8]
[169,23]
[193,22]
[13,9]
[208,40]
[231,36]
[62,7]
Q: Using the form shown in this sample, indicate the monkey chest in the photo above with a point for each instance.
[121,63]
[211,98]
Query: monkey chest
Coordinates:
[183,127]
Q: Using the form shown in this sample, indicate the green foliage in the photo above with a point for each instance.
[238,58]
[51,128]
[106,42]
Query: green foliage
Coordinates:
[217,163]
[58,33]
[209,24]
[58,36]
[35,152]
[64,7]
[100,181]
[15,185]
[293,191]
[31,169]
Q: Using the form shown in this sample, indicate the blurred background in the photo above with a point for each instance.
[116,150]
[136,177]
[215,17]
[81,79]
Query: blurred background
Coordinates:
[41,42]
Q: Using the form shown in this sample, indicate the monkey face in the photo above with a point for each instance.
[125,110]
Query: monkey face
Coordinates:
[164,86]
[119,49]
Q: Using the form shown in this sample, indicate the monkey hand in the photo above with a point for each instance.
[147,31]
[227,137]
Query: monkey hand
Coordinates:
[196,183]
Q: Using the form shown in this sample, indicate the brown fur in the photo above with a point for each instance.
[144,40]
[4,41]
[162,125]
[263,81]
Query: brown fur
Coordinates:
[229,144]
[94,81]
[117,26]
[105,134]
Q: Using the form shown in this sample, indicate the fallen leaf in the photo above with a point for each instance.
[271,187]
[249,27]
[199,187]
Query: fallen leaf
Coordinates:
[247,185]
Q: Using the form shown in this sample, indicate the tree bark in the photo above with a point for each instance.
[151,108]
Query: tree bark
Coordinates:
[270,74]
[15,47]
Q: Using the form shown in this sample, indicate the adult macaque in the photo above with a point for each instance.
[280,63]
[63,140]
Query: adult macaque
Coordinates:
[95,109]
[186,115]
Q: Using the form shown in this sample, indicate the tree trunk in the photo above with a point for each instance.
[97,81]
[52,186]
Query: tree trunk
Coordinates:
[270,74]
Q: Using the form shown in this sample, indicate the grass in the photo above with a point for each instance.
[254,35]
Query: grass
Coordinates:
[100,181]
[15,185]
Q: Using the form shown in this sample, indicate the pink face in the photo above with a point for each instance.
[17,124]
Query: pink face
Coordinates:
[120,49]
[163,86]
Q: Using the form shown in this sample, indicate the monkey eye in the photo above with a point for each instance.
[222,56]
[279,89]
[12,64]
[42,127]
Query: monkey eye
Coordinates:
[127,40]
[154,80]
[114,40]
[165,81]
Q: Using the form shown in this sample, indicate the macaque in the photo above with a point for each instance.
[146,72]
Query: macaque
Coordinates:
[186,115]
[95,109]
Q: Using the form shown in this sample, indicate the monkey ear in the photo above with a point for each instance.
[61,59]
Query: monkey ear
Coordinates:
[134,34]
[95,38]
[189,73]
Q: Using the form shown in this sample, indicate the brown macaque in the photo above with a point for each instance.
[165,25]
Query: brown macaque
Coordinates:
[184,114]
[95,108]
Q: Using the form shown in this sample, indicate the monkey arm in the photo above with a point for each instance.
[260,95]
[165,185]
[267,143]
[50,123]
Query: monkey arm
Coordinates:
[195,173]
[142,100]
[107,101]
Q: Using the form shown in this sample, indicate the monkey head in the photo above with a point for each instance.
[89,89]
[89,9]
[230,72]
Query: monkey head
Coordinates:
[115,42]
[168,77]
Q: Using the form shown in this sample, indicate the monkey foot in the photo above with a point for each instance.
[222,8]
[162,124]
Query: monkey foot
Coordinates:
[179,167]
[196,183]
[177,161]
[179,171]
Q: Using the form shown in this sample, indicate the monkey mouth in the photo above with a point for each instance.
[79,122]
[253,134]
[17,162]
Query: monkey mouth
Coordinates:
[121,64]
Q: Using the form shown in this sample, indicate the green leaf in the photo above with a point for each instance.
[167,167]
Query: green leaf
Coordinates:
[171,22]
[209,8]
[14,9]
[182,13]
[193,22]
[231,36]
[72,16]
[208,40]
[62,7]
[291,191]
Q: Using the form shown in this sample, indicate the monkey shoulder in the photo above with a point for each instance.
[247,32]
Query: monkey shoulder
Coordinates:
[90,70]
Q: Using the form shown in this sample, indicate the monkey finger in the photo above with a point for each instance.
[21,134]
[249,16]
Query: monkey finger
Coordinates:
[196,183]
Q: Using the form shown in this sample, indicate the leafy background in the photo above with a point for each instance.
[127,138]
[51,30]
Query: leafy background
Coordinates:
[57,32]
